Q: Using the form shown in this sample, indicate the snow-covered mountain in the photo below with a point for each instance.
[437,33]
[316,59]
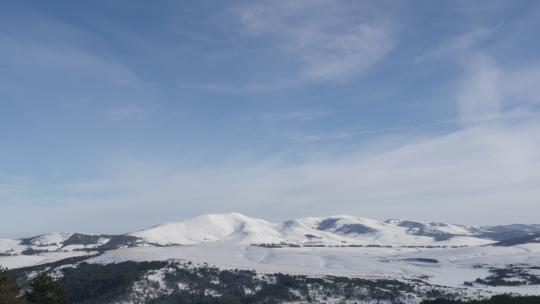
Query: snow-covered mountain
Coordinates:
[235,228]
[63,243]
[332,231]
[230,227]
[437,254]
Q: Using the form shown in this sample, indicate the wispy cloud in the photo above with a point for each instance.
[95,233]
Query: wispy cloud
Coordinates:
[125,113]
[479,99]
[313,42]
[488,159]
[461,174]
[331,40]
[297,116]
[487,93]
[490,94]
[20,52]
[351,133]
[522,84]
[244,88]
[462,43]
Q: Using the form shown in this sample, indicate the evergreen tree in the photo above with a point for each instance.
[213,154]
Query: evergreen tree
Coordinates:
[45,290]
[9,291]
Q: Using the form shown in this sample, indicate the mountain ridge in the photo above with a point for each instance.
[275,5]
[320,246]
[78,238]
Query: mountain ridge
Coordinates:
[232,227]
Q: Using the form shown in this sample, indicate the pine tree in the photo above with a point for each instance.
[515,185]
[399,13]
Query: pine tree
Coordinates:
[9,291]
[45,290]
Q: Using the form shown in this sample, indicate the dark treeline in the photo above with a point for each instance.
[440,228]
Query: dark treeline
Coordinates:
[44,289]
[97,283]
[189,284]
[498,299]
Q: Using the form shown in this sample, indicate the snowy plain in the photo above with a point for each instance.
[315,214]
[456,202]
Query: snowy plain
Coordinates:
[438,253]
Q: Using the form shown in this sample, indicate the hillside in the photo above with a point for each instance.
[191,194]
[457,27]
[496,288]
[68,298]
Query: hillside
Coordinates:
[447,258]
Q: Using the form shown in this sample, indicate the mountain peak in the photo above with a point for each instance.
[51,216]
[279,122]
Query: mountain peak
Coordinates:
[332,230]
[233,227]
[213,227]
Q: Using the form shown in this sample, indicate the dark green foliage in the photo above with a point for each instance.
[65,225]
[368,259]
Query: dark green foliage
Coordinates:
[21,274]
[45,290]
[240,286]
[114,242]
[186,283]
[511,275]
[118,241]
[422,260]
[9,291]
[96,283]
[499,299]
[529,238]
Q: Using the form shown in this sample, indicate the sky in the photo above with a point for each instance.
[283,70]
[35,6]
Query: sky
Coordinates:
[118,115]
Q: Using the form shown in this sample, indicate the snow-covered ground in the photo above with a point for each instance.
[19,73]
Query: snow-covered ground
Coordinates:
[18,261]
[8,246]
[341,230]
[453,267]
[442,254]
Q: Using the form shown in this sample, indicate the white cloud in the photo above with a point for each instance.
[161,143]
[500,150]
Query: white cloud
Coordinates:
[332,40]
[436,178]
[459,177]
[61,63]
[460,44]
[125,113]
[487,93]
[479,99]
[244,88]
[522,85]
[492,162]
[490,166]
[297,116]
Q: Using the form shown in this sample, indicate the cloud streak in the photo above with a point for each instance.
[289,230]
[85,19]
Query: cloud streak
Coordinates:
[460,44]
[125,113]
[461,174]
[329,41]
[479,99]
[489,165]
[485,160]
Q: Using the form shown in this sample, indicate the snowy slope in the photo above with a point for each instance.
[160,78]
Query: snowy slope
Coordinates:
[48,241]
[8,246]
[235,230]
[444,254]
[452,266]
[332,231]
[357,230]
[212,228]
[44,242]
[63,243]
[341,230]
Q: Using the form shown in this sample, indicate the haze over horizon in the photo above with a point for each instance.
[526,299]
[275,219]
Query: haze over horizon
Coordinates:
[116,116]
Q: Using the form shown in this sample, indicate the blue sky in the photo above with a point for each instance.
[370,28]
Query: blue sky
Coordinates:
[119,115]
